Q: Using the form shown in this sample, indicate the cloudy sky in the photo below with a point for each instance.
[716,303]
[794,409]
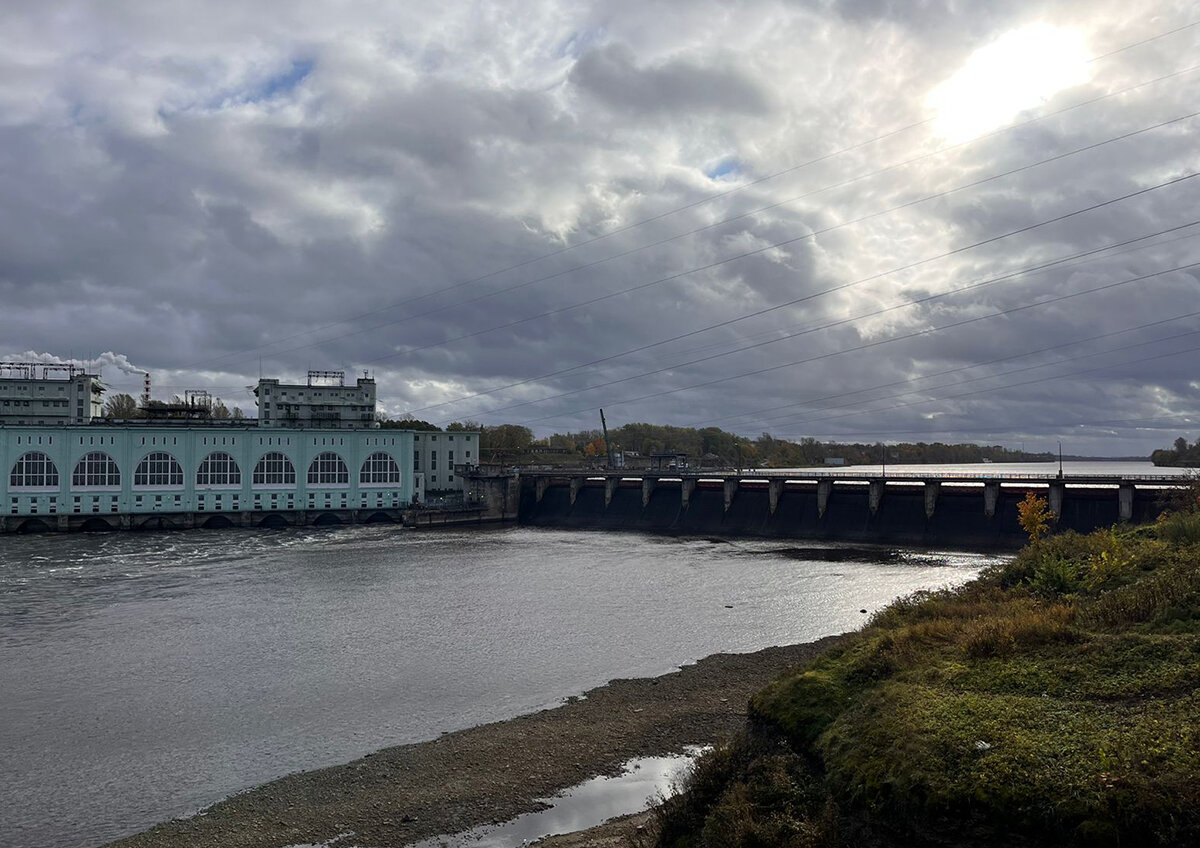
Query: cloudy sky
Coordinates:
[868,220]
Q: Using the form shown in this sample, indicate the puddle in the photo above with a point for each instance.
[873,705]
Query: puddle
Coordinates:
[580,807]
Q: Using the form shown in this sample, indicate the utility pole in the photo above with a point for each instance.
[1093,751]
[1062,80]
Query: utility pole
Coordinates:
[607,444]
[883,448]
[1060,470]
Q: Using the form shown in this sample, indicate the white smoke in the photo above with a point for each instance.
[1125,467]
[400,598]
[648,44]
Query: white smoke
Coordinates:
[95,365]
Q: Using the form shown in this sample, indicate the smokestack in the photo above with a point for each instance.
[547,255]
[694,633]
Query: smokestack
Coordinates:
[146,391]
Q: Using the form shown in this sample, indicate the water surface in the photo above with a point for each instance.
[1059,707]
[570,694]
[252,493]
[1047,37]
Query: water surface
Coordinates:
[144,676]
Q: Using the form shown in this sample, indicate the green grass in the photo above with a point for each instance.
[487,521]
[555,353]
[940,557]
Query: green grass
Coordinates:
[1056,699]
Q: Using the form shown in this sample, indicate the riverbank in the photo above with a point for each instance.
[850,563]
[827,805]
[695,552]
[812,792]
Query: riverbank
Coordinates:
[1053,701]
[493,772]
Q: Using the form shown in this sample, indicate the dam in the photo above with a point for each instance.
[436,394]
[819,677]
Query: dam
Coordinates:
[972,509]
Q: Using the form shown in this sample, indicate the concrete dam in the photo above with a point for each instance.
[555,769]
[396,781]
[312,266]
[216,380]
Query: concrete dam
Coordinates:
[963,510]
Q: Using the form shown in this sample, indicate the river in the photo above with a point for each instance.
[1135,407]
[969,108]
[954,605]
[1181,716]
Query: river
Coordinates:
[144,676]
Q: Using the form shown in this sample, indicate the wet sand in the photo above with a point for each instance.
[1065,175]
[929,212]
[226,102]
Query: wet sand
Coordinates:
[494,772]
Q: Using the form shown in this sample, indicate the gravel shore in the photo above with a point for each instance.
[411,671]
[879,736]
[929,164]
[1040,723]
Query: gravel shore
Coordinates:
[490,773]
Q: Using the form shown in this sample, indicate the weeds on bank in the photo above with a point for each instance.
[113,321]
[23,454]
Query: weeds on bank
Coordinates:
[1057,698]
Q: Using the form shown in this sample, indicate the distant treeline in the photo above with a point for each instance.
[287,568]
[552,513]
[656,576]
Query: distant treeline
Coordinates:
[713,445]
[1180,455]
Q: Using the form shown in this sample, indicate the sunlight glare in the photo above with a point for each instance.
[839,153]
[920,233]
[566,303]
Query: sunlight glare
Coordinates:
[1018,71]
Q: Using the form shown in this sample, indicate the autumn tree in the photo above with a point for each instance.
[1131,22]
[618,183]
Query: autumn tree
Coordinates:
[1035,516]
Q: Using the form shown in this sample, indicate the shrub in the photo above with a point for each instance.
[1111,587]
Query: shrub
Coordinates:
[1055,575]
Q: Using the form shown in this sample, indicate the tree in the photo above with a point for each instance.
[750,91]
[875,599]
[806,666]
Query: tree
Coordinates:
[236,414]
[1035,516]
[220,411]
[509,438]
[1181,445]
[471,426]
[121,406]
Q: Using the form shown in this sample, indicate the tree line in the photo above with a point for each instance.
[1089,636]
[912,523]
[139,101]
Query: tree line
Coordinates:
[713,445]
[1180,454]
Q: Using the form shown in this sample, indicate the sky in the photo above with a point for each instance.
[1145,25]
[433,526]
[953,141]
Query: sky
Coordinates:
[857,221]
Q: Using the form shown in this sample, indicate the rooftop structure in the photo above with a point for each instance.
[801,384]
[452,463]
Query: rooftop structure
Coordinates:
[40,394]
[325,402]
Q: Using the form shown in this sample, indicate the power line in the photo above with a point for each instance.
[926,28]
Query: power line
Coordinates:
[996,389]
[693,204]
[877,343]
[1023,369]
[776,245]
[848,285]
[632,251]
[943,373]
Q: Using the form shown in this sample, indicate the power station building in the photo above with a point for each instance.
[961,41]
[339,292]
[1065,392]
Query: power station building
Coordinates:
[183,473]
[37,394]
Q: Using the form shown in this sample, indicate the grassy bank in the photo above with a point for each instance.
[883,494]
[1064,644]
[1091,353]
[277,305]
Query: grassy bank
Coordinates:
[1054,700]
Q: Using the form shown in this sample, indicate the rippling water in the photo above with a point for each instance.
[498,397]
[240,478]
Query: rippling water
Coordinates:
[143,676]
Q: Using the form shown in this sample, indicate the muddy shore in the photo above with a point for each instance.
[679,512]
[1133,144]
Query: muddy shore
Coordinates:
[490,773]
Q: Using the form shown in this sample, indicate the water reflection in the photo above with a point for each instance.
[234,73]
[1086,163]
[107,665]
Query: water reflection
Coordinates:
[642,782]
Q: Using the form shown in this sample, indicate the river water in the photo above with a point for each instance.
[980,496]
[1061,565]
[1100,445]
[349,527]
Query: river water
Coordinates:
[144,676]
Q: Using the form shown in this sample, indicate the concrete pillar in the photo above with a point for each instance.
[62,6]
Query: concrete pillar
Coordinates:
[1056,497]
[686,487]
[875,495]
[1125,502]
[541,484]
[731,487]
[647,490]
[64,523]
[774,490]
[576,482]
[610,486]
[125,522]
[931,496]
[189,520]
[824,490]
[991,496]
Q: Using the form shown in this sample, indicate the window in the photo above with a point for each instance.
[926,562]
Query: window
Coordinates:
[433,460]
[34,470]
[328,469]
[274,469]
[158,469]
[379,470]
[96,470]
[219,469]
[416,461]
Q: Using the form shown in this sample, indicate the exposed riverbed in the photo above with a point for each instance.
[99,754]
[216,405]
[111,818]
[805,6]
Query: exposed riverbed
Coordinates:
[144,676]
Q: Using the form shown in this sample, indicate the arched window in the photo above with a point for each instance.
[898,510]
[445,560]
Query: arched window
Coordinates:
[379,469]
[274,469]
[34,470]
[96,470]
[328,469]
[219,469]
[158,469]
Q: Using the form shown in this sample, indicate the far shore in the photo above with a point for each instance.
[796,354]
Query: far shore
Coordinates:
[494,772]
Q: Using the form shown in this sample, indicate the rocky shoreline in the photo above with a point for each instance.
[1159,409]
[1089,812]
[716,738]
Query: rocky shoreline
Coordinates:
[491,773]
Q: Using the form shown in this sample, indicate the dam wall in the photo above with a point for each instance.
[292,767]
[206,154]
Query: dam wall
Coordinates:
[923,512]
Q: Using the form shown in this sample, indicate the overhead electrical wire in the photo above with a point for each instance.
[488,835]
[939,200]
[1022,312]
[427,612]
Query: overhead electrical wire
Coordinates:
[707,199]
[982,377]
[844,286]
[785,242]
[873,344]
[908,381]
[1023,384]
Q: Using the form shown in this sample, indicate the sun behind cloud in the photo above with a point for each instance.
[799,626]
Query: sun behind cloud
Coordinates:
[1018,71]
